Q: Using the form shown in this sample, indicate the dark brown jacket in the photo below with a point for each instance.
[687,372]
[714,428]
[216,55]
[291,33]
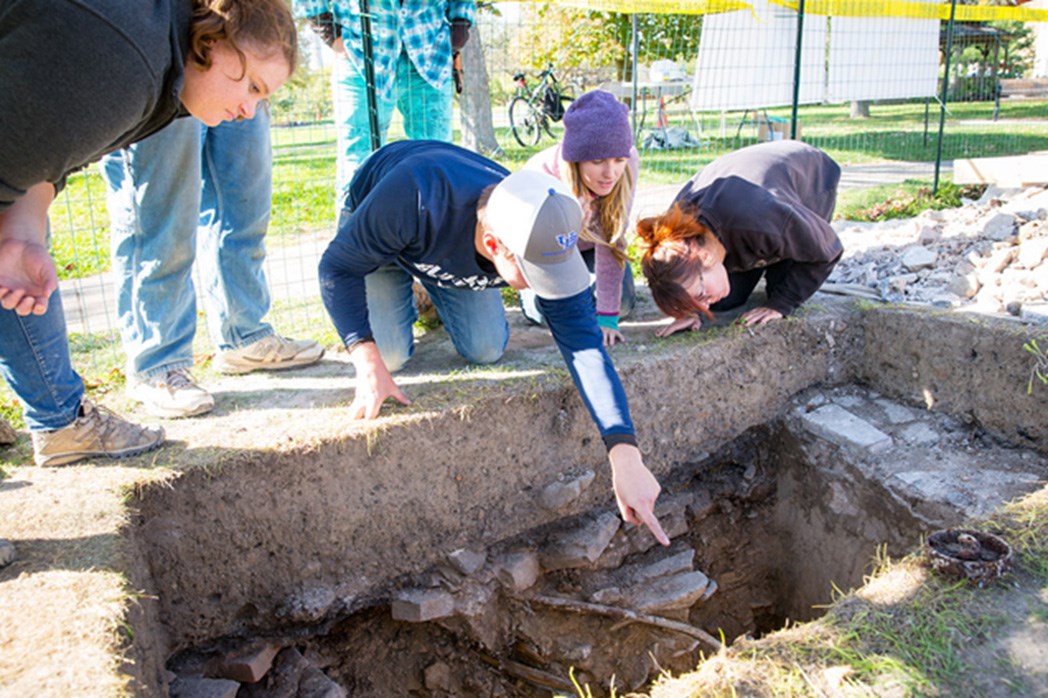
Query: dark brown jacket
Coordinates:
[772,202]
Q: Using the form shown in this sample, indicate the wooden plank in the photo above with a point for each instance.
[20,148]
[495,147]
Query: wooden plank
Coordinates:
[1015,171]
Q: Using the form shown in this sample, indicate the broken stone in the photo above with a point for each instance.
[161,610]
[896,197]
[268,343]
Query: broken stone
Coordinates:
[558,495]
[580,547]
[1035,313]
[195,687]
[307,605]
[665,593]
[896,413]
[927,234]
[1032,252]
[246,665]
[437,677]
[467,561]
[420,605]
[918,257]
[316,684]
[999,226]
[282,680]
[702,506]
[919,433]
[7,553]
[609,596]
[965,284]
[839,426]
[472,599]
[519,570]
[681,562]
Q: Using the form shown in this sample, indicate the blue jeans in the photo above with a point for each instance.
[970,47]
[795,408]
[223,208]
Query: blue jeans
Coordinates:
[426,110]
[529,301]
[475,320]
[187,189]
[34,360]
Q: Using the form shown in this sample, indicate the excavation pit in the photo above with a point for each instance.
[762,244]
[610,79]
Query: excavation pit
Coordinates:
[773,496]
[470,545]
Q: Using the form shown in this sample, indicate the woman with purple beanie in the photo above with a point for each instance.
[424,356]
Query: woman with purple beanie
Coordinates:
[598,162]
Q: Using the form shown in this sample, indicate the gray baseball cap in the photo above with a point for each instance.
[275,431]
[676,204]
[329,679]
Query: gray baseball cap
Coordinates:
[538,218]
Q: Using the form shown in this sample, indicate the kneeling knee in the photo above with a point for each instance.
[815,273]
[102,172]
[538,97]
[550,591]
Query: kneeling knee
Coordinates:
[484,355]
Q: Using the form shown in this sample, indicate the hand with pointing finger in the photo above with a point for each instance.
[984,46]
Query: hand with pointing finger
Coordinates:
[636,489]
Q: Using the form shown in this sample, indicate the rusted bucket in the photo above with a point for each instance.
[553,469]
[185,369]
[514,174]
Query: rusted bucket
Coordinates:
[977,556]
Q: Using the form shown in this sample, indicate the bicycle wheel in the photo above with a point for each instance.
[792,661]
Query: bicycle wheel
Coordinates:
[524,121]
[547,122]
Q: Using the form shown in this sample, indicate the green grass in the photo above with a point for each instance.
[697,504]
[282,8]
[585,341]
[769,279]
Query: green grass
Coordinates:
[304,162]
[904,200]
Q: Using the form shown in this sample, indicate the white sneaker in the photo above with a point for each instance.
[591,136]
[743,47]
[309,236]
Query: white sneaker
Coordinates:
[173,394]
[271,353]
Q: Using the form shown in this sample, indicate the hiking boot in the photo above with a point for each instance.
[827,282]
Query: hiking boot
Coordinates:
[173,394]
[271,353]
[96,432]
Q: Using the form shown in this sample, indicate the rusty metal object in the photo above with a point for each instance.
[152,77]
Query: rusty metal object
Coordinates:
[977,556]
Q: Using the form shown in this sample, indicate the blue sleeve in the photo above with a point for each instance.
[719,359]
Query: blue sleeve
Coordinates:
[463,9]
[573,322]
[370,236]
[309,8]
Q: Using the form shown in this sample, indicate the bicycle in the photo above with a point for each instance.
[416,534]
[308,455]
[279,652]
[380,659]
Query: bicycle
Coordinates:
[536,109]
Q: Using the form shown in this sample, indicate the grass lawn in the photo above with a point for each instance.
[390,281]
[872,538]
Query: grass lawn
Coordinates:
[304,162]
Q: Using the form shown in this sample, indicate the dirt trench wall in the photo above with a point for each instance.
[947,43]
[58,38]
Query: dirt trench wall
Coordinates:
[967,366]
[279,540]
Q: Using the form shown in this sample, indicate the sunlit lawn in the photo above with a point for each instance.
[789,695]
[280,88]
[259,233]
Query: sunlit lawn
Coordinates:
[304,161]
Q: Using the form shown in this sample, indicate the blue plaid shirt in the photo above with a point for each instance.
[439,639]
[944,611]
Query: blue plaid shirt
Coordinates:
[421,27]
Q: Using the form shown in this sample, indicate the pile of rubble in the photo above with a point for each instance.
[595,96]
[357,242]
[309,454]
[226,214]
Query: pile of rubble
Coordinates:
[989,255]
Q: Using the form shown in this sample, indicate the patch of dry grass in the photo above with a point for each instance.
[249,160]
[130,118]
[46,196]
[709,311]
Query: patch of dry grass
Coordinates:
[64,600]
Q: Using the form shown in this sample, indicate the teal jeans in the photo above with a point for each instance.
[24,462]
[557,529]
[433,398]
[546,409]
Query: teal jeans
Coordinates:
[426,110]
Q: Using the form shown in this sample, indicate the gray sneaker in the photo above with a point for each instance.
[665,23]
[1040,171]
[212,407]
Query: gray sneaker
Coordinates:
[271,353]
[96,432]
[174,394]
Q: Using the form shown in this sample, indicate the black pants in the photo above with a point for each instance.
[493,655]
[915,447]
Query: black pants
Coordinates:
[742,283]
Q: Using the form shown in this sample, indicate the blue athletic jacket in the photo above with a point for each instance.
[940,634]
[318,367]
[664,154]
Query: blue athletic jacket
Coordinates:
[413,203]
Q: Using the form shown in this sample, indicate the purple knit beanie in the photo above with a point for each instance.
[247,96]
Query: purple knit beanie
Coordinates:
[596,126]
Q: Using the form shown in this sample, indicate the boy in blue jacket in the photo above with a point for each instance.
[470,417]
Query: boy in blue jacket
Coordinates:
[463,226]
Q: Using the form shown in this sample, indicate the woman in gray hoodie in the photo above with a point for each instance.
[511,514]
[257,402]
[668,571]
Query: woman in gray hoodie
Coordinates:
[761,211]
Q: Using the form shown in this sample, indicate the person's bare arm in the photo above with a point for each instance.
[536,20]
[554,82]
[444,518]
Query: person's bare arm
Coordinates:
[759,316]
[680,325]
[374,382]
[27,273]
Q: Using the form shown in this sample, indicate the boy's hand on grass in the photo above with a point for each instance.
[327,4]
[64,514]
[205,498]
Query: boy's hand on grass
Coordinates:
[374,382]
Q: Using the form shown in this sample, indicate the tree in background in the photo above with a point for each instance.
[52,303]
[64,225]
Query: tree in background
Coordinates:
[478,129]
[601,41]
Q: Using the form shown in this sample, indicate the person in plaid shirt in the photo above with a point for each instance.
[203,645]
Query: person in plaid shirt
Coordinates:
[413,42]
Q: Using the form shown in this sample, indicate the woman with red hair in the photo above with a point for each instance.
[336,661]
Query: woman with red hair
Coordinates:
[759,212]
